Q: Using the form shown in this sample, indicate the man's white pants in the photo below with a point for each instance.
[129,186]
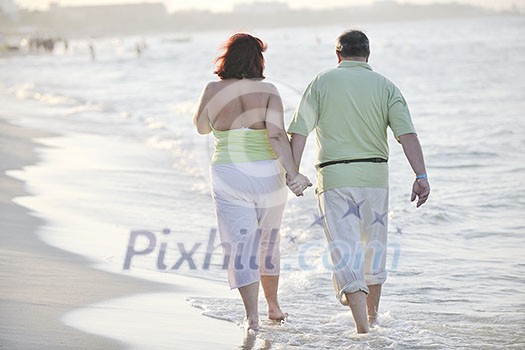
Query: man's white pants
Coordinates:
[355,224]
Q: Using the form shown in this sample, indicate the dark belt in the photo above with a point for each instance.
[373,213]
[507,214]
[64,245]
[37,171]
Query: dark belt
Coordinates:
[347,161]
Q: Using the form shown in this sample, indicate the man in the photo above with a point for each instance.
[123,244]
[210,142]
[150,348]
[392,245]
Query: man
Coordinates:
[350,107]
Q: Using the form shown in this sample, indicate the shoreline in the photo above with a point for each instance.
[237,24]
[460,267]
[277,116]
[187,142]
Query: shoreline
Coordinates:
[39,282]
[42,284]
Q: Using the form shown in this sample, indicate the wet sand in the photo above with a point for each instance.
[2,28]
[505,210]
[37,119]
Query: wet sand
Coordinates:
[40,283]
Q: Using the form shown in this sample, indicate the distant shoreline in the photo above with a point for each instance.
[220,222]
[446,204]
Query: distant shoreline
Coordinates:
[152,18]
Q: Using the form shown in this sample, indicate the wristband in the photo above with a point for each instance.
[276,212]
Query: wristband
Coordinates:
[423,176]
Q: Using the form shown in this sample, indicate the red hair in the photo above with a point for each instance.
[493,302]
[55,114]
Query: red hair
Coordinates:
[242,58]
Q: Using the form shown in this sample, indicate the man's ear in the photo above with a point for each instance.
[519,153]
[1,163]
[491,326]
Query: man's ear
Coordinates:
[367,58]
[338,56]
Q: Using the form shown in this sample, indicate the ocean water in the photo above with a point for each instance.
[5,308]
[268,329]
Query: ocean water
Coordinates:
[130,160]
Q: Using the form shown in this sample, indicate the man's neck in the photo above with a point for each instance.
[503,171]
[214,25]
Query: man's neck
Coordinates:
[360,59]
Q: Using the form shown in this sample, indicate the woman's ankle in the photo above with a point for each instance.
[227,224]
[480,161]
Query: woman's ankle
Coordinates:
[251,322]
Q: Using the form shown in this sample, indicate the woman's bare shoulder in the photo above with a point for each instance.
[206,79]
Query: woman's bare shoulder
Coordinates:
[210,89]
[217,85]
[212,85]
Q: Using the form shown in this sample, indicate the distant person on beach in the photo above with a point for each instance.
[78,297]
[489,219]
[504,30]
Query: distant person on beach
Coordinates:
[350,108]
[92,52]
[251,165]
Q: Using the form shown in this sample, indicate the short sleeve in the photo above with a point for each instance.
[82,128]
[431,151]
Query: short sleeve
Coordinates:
[399,118]
[307,113]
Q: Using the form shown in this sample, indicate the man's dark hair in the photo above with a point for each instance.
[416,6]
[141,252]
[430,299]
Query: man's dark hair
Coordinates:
[353,43]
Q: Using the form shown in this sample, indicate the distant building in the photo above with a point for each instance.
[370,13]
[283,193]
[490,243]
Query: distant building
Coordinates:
[261,7]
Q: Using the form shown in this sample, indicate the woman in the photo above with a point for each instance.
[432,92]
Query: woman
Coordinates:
[252,155]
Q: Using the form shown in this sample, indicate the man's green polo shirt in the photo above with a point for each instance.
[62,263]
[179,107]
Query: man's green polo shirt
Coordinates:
[350,107]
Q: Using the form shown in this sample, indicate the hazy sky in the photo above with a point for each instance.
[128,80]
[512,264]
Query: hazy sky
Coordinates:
[225,5]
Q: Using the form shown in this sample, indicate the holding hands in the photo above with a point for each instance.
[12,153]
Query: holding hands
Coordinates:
[297,183]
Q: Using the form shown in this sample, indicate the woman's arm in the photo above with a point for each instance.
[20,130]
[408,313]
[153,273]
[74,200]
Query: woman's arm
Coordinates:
[201,119]
[277,135]
[281,145]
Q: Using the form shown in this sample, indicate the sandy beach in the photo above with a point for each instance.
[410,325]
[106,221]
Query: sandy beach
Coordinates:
[41,283]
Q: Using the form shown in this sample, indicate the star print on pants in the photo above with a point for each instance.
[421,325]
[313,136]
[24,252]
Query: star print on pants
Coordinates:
[379,218]
[353,208]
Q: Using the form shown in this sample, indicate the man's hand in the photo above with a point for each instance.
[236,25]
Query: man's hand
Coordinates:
[421,190]
[298,183]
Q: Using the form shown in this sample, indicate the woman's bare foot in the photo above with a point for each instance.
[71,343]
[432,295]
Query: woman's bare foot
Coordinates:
[251,323]
[373,322]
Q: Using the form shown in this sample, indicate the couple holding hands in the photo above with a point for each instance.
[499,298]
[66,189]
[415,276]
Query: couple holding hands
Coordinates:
[350,108]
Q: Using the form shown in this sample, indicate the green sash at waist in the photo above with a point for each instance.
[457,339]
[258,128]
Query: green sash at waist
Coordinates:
[242,145]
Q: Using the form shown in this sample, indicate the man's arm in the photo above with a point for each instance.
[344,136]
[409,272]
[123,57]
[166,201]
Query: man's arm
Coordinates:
[298,142]
[303,122]
[414,154]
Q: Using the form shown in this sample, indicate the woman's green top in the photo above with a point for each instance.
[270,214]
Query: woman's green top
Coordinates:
[241,145]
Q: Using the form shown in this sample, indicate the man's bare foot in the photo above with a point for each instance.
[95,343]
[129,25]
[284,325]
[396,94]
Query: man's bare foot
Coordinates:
[251,323]
[275,313]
